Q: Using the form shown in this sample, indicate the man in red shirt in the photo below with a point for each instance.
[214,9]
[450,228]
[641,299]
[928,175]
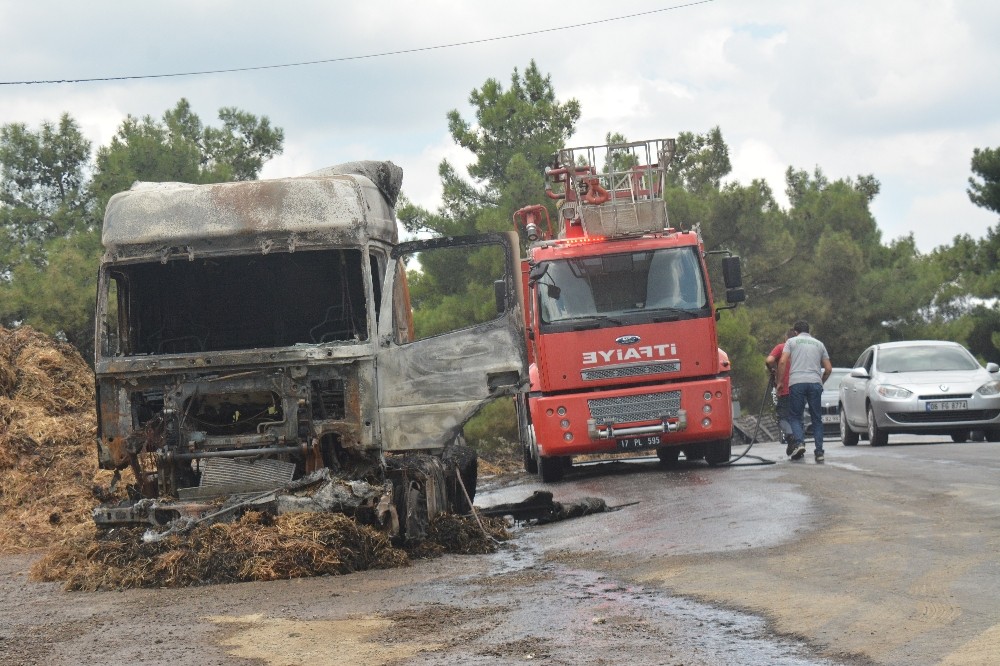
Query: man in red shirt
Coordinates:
[781,396]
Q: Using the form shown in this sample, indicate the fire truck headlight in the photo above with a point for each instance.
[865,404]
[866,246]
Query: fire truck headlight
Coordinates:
[708,395]
[707,409]
[564,423]
[568,436]
[706,423]
[561,411]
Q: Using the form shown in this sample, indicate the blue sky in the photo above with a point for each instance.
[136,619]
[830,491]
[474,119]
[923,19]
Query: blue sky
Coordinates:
[897,88]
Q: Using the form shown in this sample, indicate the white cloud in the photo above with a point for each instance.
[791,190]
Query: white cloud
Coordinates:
[898,88]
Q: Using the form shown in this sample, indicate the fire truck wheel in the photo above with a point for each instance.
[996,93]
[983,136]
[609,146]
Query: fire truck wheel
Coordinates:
[550,468]
[695,452]
[719,452]
[530,464]
[668,455]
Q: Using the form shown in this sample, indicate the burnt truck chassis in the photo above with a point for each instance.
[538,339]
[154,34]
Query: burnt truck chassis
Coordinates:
[210,446]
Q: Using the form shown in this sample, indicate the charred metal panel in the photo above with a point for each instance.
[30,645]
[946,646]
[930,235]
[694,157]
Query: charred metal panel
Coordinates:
[429,388]
[178,218]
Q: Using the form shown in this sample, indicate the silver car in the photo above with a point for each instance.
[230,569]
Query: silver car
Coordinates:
[919,387]
[830,401]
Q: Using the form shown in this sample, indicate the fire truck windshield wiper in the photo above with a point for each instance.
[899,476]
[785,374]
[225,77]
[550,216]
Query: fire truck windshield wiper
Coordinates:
[595,318]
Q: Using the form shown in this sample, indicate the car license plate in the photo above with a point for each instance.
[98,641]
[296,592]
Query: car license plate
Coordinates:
[947,405]
[831,418]
[636,443]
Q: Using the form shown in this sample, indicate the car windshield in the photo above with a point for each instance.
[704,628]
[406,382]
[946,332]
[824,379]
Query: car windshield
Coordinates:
[832,382]
[924,358]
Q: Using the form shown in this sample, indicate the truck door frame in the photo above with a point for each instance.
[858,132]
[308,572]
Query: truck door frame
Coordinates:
[428,388]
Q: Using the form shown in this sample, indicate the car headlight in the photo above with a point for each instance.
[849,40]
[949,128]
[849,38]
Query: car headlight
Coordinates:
[890,391]
[989,388]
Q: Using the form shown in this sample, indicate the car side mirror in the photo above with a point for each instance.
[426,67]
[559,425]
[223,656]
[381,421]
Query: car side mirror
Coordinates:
[992,367]
[860,373]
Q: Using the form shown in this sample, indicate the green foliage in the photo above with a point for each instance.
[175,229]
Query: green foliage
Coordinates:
[984,187]
[525,119]
[50,212]
[57,297]
[700,161]
[42,190]
[493,428]
[180,148]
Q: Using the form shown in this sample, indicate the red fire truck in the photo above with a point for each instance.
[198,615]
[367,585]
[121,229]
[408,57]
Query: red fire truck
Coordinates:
[620,318]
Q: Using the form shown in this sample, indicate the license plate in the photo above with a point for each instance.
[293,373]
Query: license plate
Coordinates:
[831,418]
[947,405]
[636,443]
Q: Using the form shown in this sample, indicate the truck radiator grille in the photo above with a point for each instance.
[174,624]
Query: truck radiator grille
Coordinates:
[223,476]
[630,371]
[633,408]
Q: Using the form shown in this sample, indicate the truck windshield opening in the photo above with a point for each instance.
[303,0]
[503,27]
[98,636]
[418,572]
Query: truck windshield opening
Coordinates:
[232,303]
[638,285]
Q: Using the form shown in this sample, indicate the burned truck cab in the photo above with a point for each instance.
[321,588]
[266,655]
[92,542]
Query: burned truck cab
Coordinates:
[250,333]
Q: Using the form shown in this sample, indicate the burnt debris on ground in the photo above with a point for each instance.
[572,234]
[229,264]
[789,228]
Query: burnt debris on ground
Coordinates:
[51,490]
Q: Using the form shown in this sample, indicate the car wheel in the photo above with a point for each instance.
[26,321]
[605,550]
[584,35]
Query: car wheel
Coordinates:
[960,436]
[550,468]
[718,453]
[847,436]
[875,436]
[668,455]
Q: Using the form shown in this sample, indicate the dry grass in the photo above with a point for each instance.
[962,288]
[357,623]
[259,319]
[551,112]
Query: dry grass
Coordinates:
[48,465]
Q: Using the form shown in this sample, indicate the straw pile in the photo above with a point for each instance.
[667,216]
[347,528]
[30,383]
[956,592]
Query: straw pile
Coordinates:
[257,547]
[48,464]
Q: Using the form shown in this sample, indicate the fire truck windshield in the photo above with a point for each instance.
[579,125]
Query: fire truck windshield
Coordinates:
[637,285]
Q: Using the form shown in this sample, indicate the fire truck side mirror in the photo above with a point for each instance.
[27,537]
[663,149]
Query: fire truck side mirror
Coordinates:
[732,274]
[500,294]
[736,295]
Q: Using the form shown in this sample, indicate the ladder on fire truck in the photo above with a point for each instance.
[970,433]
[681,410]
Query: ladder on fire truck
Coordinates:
[624,198]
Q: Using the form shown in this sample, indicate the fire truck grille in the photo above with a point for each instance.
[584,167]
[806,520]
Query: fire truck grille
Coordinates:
[633,408]
[630,371]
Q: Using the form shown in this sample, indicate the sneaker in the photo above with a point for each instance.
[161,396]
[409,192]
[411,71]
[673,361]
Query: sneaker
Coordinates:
[819,456]
[789,446]
[800,450]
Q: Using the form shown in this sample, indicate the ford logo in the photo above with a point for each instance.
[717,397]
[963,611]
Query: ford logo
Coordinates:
[944,388]
[627,339]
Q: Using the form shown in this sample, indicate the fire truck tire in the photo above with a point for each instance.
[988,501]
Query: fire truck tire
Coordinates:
[719,452]
[551,468]
[530,464]
[695,452]
[668,455]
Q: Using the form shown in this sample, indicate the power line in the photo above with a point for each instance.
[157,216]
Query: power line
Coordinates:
[360,57]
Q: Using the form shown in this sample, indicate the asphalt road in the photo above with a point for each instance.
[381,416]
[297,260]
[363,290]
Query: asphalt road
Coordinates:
[886,555]
[877,556]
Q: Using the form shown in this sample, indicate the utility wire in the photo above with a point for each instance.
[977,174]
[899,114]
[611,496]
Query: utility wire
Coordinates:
[360,57]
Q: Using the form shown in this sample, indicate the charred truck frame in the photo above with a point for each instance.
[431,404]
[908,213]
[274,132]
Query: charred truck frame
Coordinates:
[250,334]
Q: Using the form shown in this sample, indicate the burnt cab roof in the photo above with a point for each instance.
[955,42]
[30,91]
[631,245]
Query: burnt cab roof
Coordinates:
[345,205]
